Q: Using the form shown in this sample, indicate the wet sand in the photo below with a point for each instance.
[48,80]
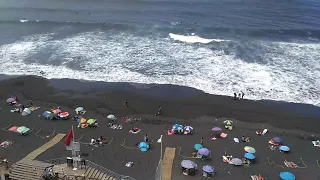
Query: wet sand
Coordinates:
[180,105]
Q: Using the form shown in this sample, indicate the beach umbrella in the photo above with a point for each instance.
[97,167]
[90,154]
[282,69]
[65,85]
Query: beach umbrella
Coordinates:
[249,156]
[198,146]
[284,148]
[287,176]
[143,147]
[216,129]
[277,140]
[46,114]
[57,111]
[64,114]
[188,128]
[249,149]
[111,116]
[177,127]
[26,112]
[188,164]
[91,121]
[10,100]
[79,109]
[83,120]
[22,129]
[228,122]
[236,161]
[208,169]
[204,151]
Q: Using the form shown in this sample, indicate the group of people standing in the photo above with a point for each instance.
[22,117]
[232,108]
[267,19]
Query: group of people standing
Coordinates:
[238,96]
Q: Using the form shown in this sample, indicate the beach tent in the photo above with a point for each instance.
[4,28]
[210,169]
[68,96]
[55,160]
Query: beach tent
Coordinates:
[10,100]
[249,156]
[143,147]
[249,149]
[46,114]
[208,169]
[236,161]
[22,130]
[188,164]
[204,151]
[53,116]
[26,112]
[198,146]
[287,176]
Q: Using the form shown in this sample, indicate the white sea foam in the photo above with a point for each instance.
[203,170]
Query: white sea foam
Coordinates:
[23,20]
[193,39]
[291,74]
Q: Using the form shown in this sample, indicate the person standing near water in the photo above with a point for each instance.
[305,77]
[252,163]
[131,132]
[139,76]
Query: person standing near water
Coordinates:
[125,103]
[235,96]
[242,94]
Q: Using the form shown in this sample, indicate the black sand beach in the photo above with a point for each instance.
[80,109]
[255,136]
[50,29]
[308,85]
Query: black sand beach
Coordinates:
[179,105]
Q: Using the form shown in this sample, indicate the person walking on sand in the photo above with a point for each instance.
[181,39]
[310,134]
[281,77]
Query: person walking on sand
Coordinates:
[159,111]
[235,96]
[201,141]
[30,103]
[242,94]
[146,138]
[125,103]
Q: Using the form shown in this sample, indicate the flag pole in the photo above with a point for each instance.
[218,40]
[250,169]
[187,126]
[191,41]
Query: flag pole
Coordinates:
[73,151]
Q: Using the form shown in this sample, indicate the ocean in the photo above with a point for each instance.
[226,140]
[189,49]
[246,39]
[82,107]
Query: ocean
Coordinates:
[269,49]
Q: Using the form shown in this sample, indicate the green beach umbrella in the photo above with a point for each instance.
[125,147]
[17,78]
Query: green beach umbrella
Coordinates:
[91,121]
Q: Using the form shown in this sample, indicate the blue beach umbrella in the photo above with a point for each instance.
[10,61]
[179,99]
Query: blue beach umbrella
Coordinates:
[46,114]
[277,139]
[188,128]
[284,148]
[287,176]
[143,147]
[204,151]
[177,127]
[188,164]
[208,169]
[249,156]
[198,146]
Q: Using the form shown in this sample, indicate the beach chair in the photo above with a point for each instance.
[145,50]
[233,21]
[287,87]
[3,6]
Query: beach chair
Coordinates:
[290,164]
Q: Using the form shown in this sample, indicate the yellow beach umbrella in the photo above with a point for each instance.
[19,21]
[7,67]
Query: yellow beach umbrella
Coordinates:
[83,120]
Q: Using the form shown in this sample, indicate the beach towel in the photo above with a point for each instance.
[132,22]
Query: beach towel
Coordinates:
[256,177]
[213,139]
[6,143]
[170,132]
[316,143]
[236,140]
[33,108]
[223,135]
[129,164]
[264,131]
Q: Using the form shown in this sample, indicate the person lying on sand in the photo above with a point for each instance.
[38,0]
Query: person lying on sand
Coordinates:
[259,132]
[245,139]
[134,130]
[194,154]
[102,141]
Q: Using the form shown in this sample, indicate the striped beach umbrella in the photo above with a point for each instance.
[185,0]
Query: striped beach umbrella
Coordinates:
[188,128]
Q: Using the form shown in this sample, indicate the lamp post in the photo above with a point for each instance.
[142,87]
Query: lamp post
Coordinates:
[160,141]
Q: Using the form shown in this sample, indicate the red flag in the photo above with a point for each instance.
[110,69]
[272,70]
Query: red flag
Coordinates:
[68,139]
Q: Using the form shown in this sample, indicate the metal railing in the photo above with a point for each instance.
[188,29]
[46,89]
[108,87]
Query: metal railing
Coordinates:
[158,171]
[89,164]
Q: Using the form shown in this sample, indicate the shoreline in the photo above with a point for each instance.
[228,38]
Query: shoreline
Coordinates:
[163,91]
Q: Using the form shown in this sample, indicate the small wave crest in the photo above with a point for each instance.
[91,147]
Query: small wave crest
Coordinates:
[23,20]
[193,39]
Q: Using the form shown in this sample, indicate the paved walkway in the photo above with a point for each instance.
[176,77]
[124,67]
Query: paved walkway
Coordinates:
[167,162]
[34,154]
